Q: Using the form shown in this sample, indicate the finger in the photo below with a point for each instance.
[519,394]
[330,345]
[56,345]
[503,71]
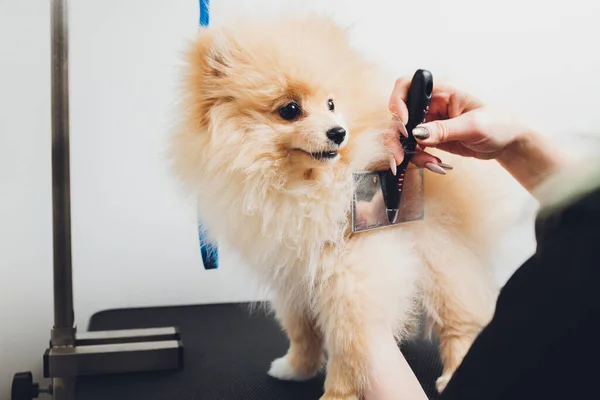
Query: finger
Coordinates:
[392,143]
[422,158]
[438,108]
[402,129]
[448,102]
[433,133]
[440,98]
[397,103]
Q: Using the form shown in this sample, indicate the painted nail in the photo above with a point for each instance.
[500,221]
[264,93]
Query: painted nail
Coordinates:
[445,166]
[420,132]
[393,165]
[435,168]
[401,127]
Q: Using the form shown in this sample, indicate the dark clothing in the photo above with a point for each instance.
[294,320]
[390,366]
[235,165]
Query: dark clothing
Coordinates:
[544,339]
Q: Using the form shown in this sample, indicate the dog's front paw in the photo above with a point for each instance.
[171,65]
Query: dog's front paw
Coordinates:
[281,368]
[441,382]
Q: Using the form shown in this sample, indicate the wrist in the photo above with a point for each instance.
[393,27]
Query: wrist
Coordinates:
[530,159]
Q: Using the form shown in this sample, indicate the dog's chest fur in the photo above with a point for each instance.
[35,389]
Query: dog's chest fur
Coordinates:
[283,232]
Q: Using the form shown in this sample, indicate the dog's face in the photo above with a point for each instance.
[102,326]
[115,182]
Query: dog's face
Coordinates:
[310,125]
[288,96]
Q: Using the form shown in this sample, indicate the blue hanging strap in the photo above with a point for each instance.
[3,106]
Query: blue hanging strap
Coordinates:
[209,251]
[204,14]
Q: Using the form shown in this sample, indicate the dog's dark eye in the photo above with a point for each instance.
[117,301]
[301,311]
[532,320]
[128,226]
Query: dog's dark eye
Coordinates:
[290,111]
[330,105]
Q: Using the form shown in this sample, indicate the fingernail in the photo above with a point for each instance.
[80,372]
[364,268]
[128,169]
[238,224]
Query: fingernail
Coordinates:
[420,132]
[401,127]
[435,168]
[393,165]
[445,166]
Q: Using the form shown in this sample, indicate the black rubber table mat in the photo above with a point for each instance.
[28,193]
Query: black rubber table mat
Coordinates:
[227,350]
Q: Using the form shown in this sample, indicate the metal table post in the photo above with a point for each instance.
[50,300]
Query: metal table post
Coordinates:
[72,354]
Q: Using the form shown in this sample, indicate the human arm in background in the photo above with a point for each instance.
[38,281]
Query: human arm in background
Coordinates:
[460,124]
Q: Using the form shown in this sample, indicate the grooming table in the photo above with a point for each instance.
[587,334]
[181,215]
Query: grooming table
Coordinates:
[228,351]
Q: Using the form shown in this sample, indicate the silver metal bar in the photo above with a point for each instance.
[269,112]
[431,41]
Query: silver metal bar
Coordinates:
[127,336]
[63,333]
[128,333]
[113,358]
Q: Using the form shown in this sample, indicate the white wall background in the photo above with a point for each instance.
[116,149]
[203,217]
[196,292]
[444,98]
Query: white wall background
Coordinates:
[134,239]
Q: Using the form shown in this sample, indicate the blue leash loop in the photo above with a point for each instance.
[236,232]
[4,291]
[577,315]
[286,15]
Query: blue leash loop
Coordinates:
[204,14]
[208,250]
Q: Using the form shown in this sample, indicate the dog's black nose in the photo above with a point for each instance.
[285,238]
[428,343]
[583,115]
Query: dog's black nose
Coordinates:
[337,134]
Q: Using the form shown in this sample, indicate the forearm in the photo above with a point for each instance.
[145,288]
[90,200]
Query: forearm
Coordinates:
[531,159]
[392,378]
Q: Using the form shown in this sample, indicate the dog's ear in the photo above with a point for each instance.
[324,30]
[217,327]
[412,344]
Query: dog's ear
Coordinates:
[216,51]
[210,58]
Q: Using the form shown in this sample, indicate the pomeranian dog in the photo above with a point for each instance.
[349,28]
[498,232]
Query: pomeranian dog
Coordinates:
[276,116]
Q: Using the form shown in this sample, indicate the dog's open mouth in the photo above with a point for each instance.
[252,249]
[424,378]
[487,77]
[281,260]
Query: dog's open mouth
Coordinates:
[324,155]
[320,155]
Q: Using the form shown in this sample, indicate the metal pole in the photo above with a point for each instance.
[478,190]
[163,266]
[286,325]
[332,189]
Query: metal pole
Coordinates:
[71,355]
[63,333]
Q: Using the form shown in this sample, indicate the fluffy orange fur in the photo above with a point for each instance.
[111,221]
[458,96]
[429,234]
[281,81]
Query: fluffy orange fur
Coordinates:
[288,214]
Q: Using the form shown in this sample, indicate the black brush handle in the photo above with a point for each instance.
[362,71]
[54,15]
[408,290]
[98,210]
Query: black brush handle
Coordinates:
[417,102]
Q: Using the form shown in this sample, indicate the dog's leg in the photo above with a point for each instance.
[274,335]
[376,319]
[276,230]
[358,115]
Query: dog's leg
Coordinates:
[304,357]
[459,297]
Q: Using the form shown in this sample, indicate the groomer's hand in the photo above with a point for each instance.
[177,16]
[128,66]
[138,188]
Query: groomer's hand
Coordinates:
[460,124]
[457,122]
